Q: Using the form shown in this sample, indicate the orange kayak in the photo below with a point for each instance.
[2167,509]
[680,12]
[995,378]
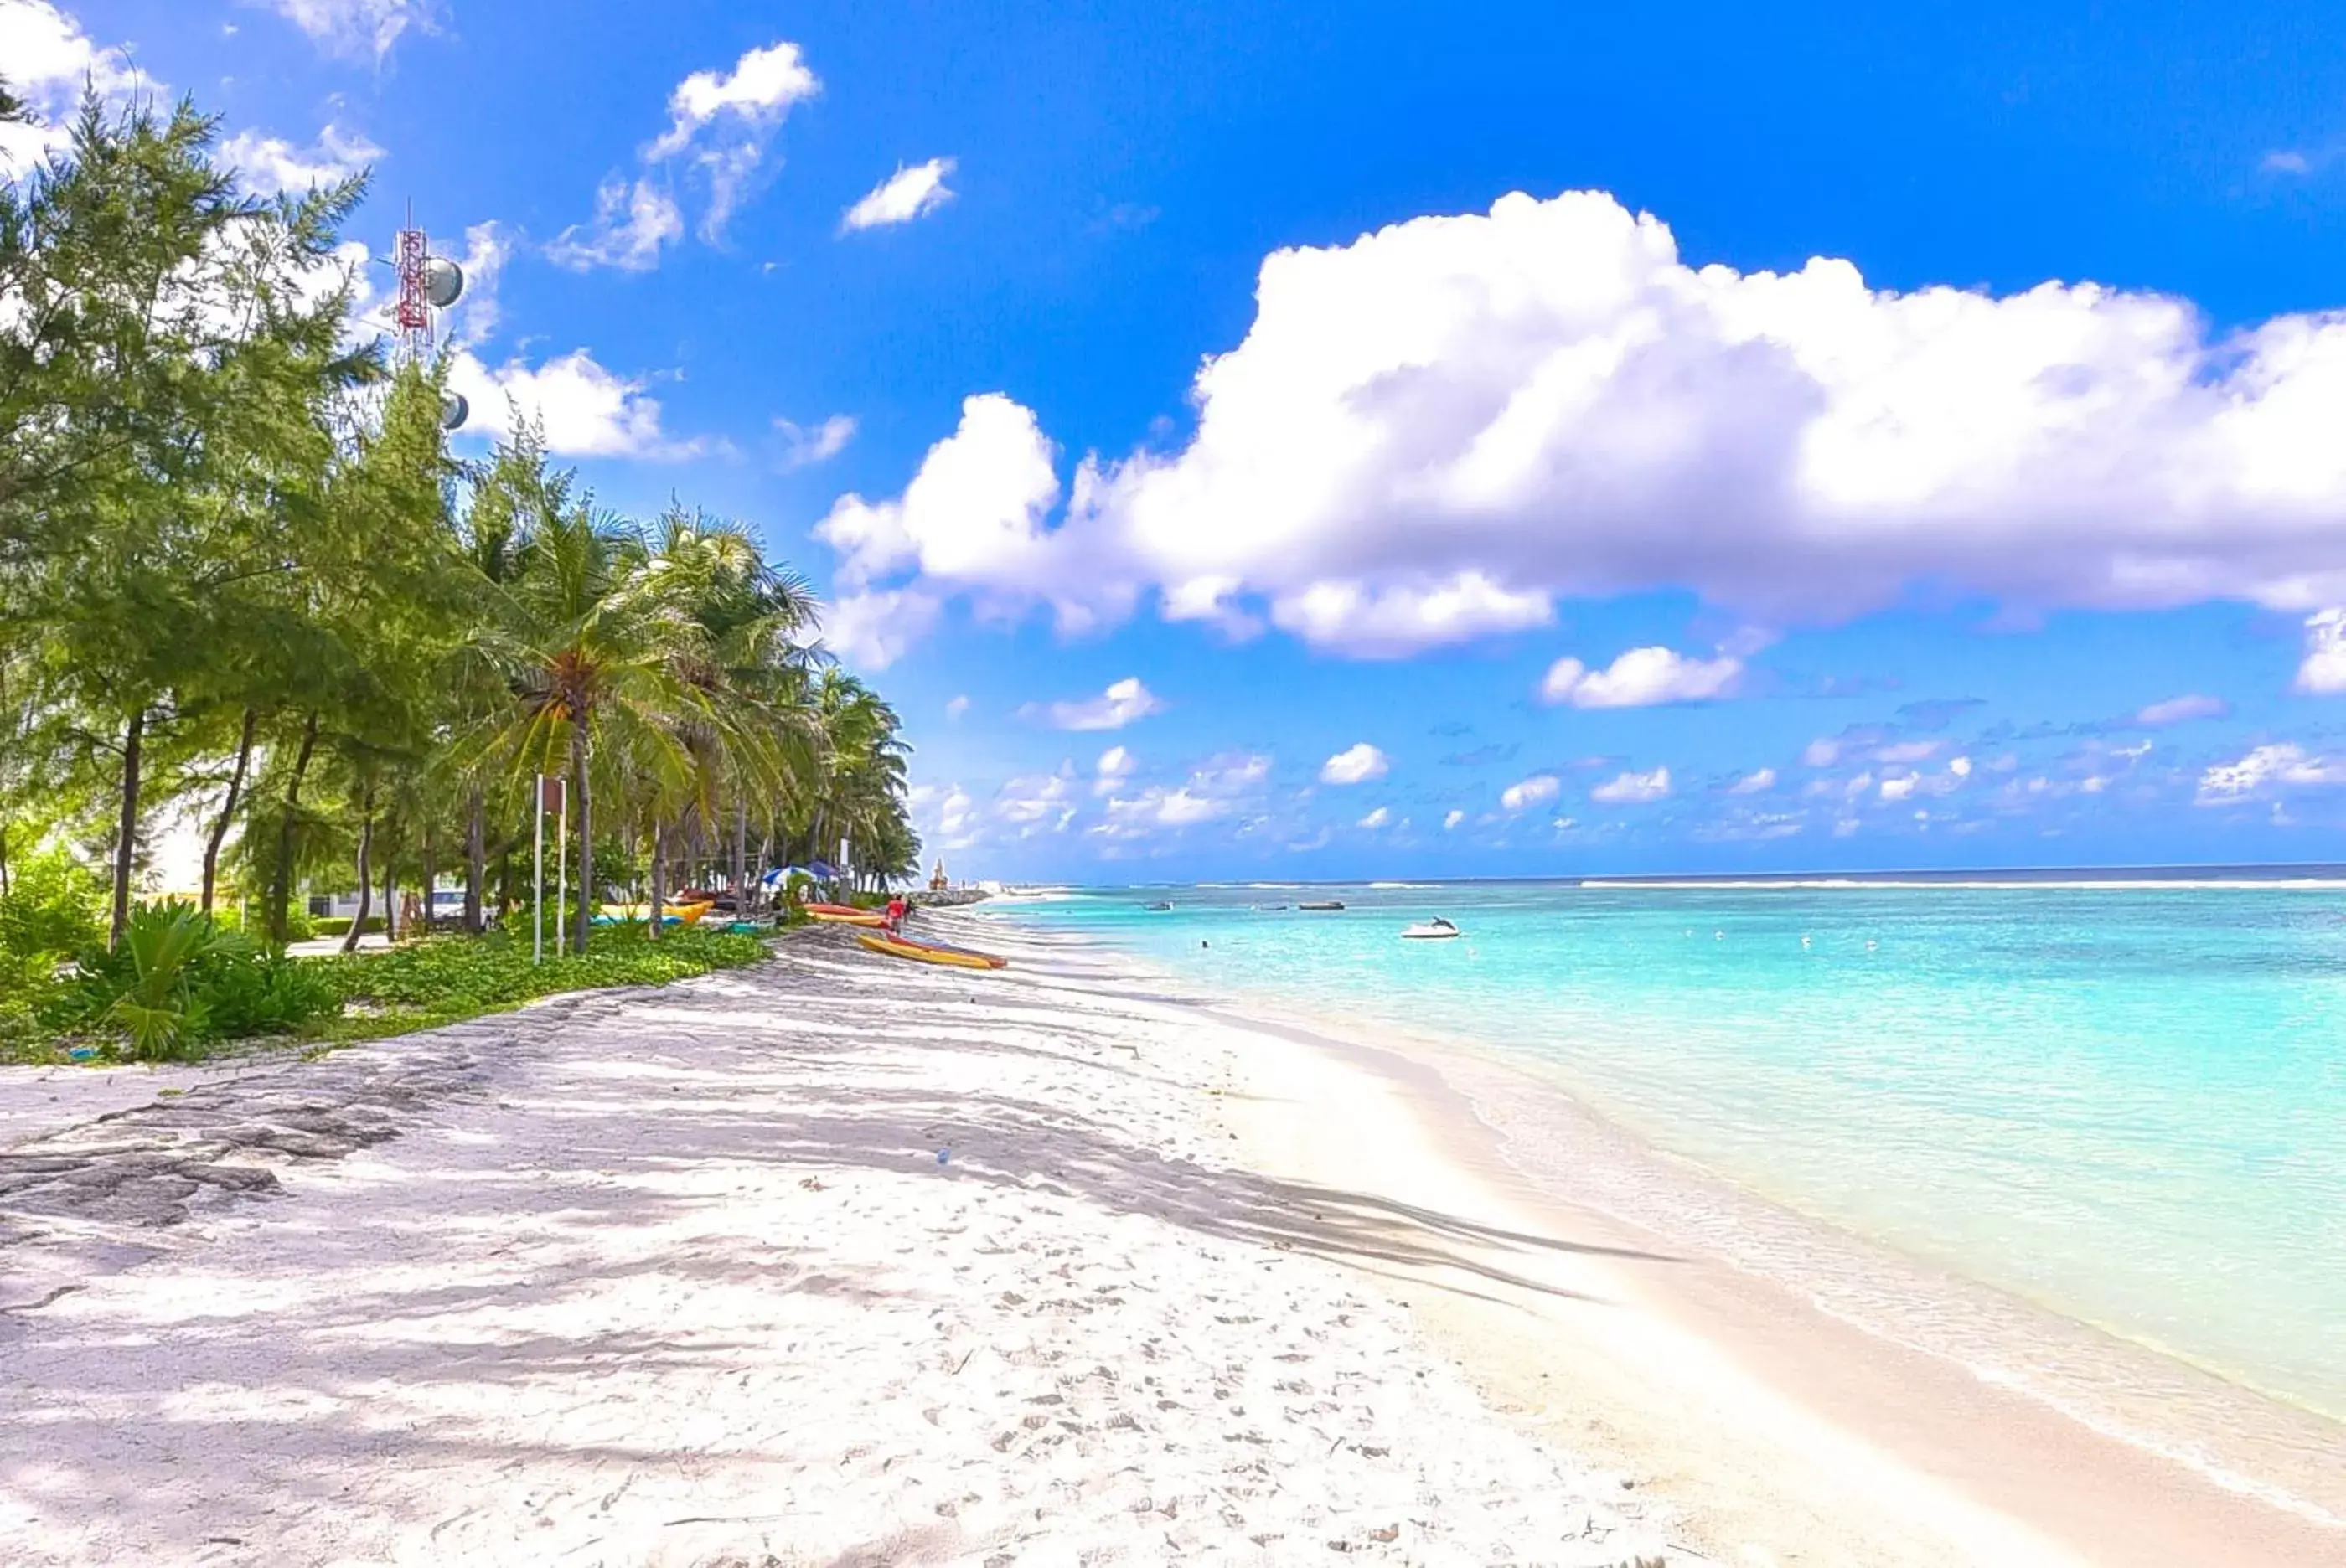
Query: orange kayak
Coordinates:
[929,951]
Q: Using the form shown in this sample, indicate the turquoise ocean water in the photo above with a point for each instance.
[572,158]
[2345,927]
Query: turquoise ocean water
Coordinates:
[2120,1100]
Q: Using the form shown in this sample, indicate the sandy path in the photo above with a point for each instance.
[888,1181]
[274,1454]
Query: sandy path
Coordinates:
[678,1276]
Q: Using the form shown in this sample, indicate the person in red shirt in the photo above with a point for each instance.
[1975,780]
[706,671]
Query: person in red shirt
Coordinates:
[897,909]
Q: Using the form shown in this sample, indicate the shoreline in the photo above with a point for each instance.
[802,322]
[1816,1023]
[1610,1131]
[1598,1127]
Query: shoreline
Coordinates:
[1971,1444]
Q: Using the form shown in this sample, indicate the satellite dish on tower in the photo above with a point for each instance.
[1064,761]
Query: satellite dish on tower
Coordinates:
[453,410]
[444,280]
[427,283]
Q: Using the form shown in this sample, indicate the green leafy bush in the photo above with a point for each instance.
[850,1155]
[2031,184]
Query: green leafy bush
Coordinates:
[180,980]
[340,925]
[51,911]
[268,994]
[52,906]
[146,987]
[27,981]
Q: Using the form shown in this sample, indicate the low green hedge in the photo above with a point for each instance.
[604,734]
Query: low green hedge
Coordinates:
[444,978]
[340,925]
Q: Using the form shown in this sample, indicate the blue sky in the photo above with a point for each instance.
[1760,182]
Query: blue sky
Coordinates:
[1283,441]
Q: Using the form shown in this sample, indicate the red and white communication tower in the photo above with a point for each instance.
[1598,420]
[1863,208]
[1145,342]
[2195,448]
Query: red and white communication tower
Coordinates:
[427,283]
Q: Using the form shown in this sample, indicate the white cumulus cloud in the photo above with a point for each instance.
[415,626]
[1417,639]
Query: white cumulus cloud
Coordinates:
[359,28]
[1125,701]
[632,221]
[1115,765]
[2266,768]
[1432,432]
[2322,673]
[1042,802]
[1633,789]
[803,446]
[758,91]
[873,630]
[1376,818]
[46,59]
[907,193]
[267,165]
[721,127]
[1218,788]
[977,505]
[585,410]
[1754,782]
[1641,678]
[1452,818]
[1355,765]
[1531,791]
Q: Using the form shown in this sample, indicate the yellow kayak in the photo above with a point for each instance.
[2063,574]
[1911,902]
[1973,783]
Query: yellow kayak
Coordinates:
[852,917]
[928,953]
[678,914]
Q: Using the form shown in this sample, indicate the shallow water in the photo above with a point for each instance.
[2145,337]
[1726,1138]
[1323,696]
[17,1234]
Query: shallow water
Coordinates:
[2124,1102]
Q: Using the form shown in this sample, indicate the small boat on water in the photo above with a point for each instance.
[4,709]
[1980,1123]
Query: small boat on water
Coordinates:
[1322,905]
[929,951]
[1159,907]
[1434,929]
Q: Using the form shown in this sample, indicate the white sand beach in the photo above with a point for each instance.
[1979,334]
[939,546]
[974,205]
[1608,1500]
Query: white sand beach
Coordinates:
[840,1261]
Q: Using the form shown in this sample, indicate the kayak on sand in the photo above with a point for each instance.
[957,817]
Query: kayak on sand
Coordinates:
[843,914]
[928,952]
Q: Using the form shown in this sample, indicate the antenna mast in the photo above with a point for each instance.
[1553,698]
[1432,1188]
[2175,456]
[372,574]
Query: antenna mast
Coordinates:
[427,283]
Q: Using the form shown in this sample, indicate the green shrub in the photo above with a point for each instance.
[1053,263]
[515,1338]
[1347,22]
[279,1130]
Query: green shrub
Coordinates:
[27,981]
[340,925]
[146,988]
[269,994]
[180,980]
[52,906]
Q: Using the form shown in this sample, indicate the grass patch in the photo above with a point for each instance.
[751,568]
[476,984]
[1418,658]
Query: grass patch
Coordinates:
[443,980]
[373,995]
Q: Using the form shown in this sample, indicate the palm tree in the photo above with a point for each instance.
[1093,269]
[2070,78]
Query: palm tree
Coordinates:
[592,639]
[862,797]
[761,740]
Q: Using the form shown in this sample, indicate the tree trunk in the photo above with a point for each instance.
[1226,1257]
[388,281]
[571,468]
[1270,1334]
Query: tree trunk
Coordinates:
[281,881]
[391,895]
[585,829]
[227,808]
[741,858]
[476,860]
[4,859]
[660,877]
[366,874]
[431,870]
[126,843]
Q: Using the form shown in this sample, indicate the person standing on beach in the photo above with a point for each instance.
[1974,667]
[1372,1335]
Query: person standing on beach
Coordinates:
[897,909]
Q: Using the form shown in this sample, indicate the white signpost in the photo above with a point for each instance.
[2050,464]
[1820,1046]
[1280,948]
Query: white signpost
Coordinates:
[561,859]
